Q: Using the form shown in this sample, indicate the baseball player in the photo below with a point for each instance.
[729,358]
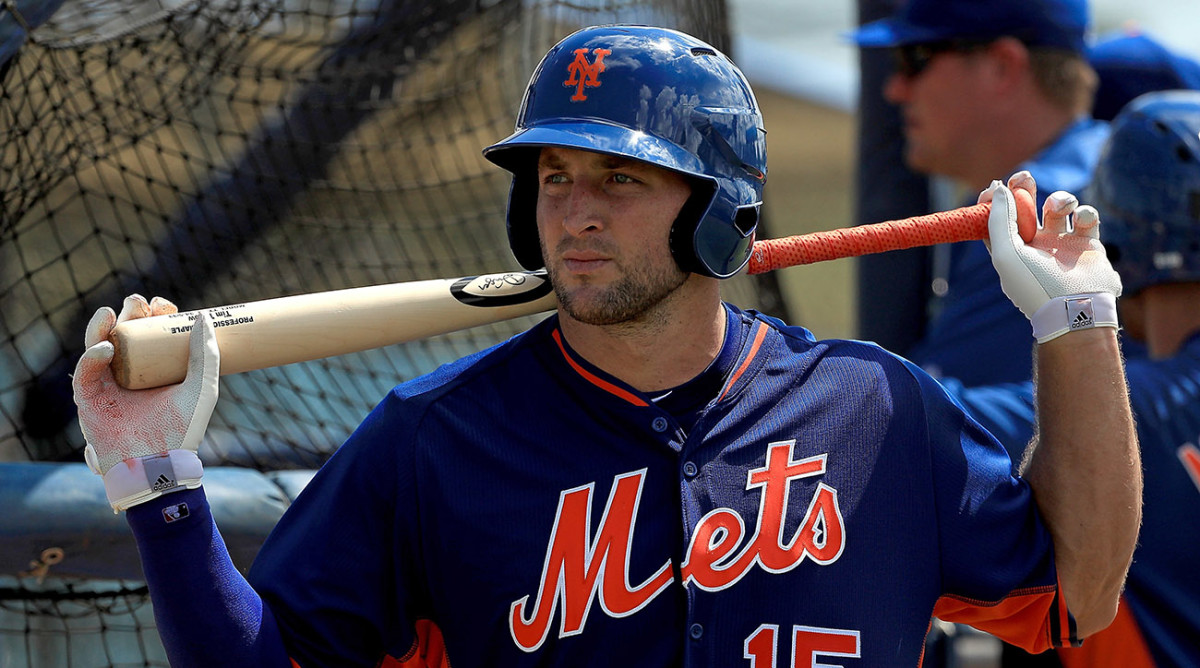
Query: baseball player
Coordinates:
[1148,181]
[652,476]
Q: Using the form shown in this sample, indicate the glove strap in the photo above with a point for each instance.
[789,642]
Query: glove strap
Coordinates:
[1074,312]
[141,479]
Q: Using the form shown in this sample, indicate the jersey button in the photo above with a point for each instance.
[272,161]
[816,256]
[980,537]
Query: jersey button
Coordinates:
[696,631]
[660,424]
[690,469]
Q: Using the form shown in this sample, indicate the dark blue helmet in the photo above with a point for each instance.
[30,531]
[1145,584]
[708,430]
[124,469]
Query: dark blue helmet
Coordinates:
[1147,189]
[654,95]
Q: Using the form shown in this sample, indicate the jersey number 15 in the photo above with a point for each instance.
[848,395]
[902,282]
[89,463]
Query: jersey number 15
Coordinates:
[808,642]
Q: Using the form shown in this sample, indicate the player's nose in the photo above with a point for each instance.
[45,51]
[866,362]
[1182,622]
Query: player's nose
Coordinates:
[586,208]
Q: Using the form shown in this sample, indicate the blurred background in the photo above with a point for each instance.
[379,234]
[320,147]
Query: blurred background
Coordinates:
[806,76]
[221,151]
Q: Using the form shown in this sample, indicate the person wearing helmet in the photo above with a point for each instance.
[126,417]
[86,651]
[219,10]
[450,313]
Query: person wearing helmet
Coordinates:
[1149,180]
[1147,183]
[651,476]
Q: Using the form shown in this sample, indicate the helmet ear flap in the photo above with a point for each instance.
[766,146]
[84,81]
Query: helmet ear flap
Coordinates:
[712,236]
[683,230]
[721,248]
[521,220]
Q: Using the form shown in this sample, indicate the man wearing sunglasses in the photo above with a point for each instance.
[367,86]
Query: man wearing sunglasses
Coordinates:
[986,87]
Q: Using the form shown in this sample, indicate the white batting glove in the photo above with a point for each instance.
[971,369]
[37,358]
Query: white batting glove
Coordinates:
[1061,280]
[144,442]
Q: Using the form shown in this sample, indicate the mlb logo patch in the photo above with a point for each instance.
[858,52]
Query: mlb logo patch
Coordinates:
[175,512]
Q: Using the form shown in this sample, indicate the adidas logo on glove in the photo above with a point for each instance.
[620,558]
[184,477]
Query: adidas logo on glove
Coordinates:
[1080,313]
[162,482]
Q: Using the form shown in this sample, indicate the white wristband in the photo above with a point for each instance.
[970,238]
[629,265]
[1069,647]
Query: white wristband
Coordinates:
[141,479]
[1074,312]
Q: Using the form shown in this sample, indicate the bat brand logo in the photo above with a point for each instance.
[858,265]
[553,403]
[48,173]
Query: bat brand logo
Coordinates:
[580,568]
[582,73]
[514,287]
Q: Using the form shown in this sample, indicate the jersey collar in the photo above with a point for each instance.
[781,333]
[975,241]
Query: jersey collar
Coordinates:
[744,337]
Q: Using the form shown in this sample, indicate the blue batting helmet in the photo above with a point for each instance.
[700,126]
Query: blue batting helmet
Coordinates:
[1147,189]
[654,95]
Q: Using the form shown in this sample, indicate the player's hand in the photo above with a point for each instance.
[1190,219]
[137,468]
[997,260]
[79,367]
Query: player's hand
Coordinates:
[1061,280]
[144,442]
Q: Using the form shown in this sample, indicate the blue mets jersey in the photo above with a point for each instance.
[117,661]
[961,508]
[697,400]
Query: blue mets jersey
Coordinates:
[801,502]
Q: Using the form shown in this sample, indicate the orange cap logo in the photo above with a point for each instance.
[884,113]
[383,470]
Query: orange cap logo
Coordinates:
[582,73]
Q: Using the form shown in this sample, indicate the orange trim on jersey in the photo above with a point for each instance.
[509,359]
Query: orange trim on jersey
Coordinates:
[428,650]
[759,335]
[1190,456]
[1121,645]
[594,379]
[921,659]
[1067,636]
[1034,620]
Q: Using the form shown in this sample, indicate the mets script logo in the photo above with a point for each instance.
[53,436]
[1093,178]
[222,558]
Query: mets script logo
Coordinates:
[584,73]
[580,568]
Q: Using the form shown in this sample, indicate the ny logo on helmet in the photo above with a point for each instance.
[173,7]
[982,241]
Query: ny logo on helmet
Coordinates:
[584,73]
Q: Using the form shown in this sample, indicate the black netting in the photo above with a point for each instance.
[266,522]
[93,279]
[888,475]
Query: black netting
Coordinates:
[89,624]
[221,151]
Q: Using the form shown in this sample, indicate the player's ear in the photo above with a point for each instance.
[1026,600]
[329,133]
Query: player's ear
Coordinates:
[1008,61]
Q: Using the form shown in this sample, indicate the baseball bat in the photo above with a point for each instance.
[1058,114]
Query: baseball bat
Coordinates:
[152,352]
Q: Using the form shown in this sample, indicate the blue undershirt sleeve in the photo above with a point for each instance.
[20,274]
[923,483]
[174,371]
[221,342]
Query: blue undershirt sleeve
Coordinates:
[206,612]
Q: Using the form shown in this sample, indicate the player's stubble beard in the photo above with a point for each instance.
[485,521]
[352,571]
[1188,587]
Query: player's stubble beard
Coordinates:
[644,284]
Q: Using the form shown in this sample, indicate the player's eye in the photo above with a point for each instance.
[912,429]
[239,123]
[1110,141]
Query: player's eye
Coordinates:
[623,178]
